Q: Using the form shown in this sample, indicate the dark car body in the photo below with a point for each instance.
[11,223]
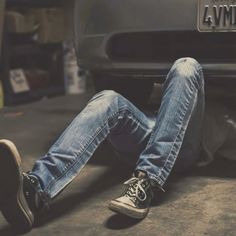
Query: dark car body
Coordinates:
[143,38]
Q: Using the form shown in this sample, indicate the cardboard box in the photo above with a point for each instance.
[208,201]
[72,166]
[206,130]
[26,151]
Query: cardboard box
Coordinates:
[51,25]
[20,23]
[2,11]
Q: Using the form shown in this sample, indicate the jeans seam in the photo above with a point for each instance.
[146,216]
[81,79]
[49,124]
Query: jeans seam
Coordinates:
[160,172]
[72,164]
[199,70]
[200,74]
[152,176]
[139,122]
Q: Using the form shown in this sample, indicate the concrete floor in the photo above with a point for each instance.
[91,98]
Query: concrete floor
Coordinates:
[198,203]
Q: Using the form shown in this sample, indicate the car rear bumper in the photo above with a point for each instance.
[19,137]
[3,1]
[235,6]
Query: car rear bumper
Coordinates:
[94,56]
[144,42]
[159,70]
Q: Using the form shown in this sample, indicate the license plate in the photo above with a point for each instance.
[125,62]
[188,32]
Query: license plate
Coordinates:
[217,15]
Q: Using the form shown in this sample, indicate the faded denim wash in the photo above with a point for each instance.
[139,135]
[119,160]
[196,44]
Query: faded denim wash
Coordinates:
[156,142]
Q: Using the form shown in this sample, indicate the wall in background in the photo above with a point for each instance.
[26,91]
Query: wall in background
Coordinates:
[69,10]
[2,7]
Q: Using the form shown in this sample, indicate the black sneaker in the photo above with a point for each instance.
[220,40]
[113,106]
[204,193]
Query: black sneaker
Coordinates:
[16,188]
[135,200]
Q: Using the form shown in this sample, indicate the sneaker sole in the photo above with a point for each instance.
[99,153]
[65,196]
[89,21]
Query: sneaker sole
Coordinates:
[12,200]
[127,210]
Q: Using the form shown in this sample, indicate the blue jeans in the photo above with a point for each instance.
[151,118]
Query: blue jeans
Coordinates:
[156,142]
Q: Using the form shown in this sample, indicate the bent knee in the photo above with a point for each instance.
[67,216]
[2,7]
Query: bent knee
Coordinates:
[107,93]
[106,96]
[187,64]
[188,68]
[188,60]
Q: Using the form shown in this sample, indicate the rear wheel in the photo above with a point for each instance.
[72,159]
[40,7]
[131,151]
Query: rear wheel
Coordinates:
[138,91]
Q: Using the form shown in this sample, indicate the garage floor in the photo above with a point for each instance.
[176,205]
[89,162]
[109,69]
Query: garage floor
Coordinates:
[199,203]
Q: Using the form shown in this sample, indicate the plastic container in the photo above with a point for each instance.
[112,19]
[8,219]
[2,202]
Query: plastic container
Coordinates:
[75,79]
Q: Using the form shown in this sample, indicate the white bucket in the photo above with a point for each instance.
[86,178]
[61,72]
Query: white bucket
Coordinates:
[74,77]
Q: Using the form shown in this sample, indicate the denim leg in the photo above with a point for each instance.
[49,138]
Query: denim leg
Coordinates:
[192,144]
[106,113]
[181,107]
[132,136]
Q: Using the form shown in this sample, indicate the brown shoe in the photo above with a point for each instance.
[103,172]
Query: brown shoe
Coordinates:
[13,203]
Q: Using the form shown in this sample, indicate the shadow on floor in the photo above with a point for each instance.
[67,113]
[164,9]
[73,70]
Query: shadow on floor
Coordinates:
[118,222]
[219,168]
[7,231]
[70,202]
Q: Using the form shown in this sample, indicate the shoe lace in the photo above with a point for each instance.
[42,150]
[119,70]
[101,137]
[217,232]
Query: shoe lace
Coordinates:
[135,187]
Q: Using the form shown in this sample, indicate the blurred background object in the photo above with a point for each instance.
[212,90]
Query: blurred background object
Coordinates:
[2,10]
